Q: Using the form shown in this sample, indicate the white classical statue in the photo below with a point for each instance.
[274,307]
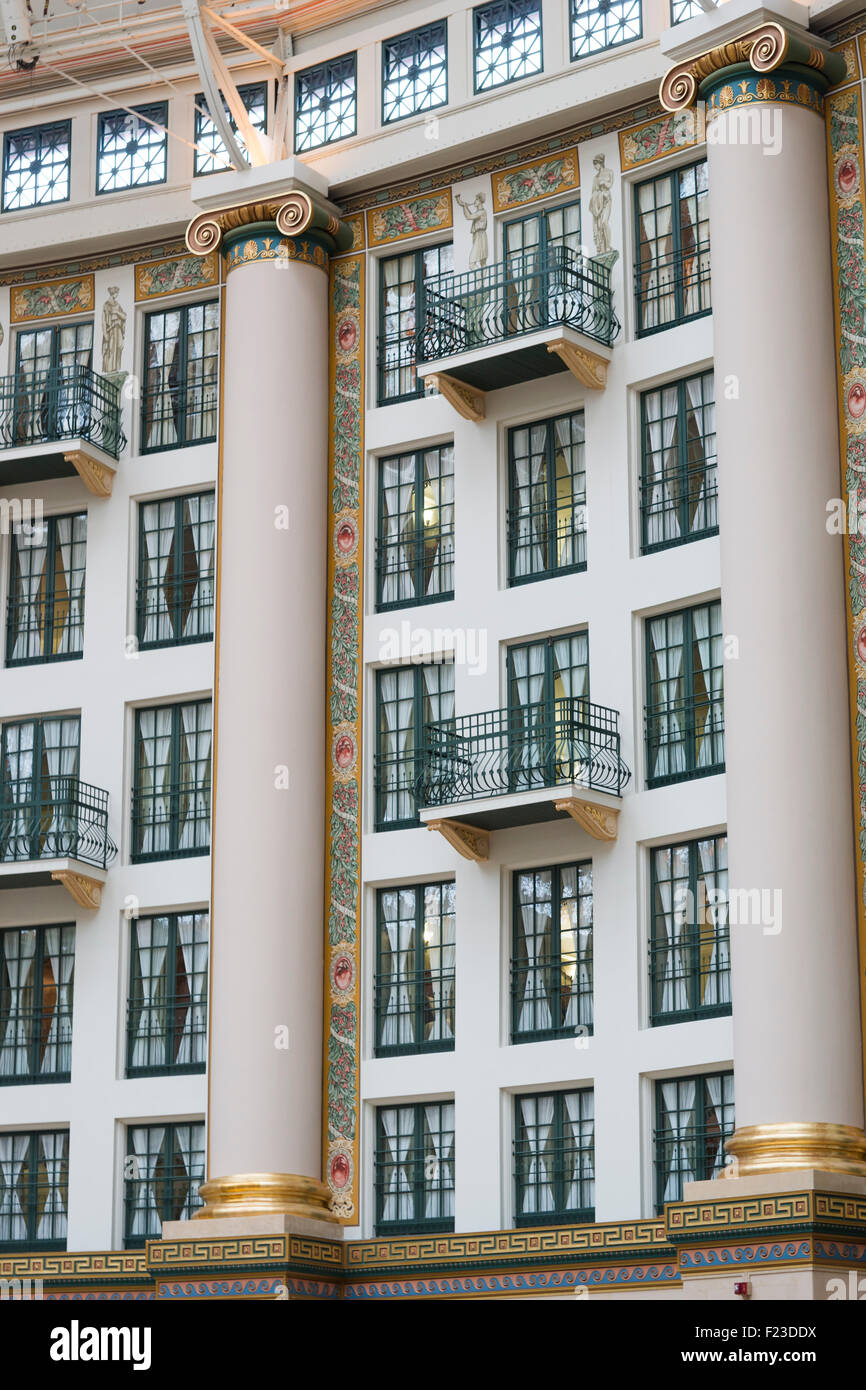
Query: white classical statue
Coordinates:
[600,205]
[476,215]
[113,331]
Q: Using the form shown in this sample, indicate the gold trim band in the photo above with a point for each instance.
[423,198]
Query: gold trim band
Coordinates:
[264,1194]
[783,1148]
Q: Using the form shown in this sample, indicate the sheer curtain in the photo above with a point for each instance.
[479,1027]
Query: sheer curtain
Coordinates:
[154,780]
[161,408]
[717,1159]
[199,521]
[397,1205]
[19,950]
[147,1144]
[397,705]
[537,1116]
[29,611]
[656,258]
[679,1120]
[703,500]
[535,920]
[441,948]
[13,1153]
[71,533]
[194,948]
[529,554]
[52,1220]
[438,564]
[398,485]
[158,528]
[580,1192]
[527,666]
[58,1047]
[195,769]
[398,1022]
[439,1198]
[674,988]
[716,977]
[666,637]
[568,546]
[151,942]
[576,937]
[709,734]
[19,740]
[62,758]
[190,1141]
[662,483]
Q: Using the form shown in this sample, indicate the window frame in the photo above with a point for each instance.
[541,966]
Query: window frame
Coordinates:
[174,763]
[326,66]
[50,602]
[673,175]
[605,47]
[416,1225]
[148,109]
[418,252]
[200,101]
[551,502]
[142,588]
[690,936]
[34,1075]
[418,974]
[31,130]
[683,470]
[445,536]
[32,1242]
[419,694]
[560,1215]
[395,39]
[518,974]
[181,386]
[170,1004]
[137,1242]
[690,772]
[508,81]
[659,1171]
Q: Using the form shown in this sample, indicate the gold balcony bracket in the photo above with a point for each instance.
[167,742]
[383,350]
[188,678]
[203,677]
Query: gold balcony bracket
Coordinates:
[589,367]
[86,891]
[97,477]
[465,399]
[468,840]
[598,821]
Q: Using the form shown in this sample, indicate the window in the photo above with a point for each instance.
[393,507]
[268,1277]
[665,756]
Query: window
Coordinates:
[536,238]
[34,1183]
[685,716]
[415,549]
[415,72]
[167,1015]
[694,1117]
[39,792]
[171,796]
[682,10]
[415,1168]
[690,962]
[598,24]
[407,698]
[507,42]
[551,954]
[36,166]
[672,236]
[36,980]
[54,389]
[46,592]
[176,571]
[679,480]
[210,153]
[179,400]
[164,1166]
[554,1158]
[415,969]
[400,279]
[325,103]
[131,148]
[548,689]
[547,483]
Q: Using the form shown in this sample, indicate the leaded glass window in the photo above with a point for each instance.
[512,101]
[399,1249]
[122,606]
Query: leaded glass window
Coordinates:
[36,166]
[415,72]
[690,962]
[415,1168]
[548,689]
[598,24]
[672,237]
[326,103]
[46,591]
[400,280]
[694,1117]
[37,966]
[679,482]
[554,1157]
[507,42]
[415,969]
[167,1014]
[210,153]
[176,570]
[34,1187]
[407,698]
[551,954]
[415,546]
[131,149]
[39,799]
[172,787]
[163,1168]
[53,397]
[547,515]
[180,396]
[685,714]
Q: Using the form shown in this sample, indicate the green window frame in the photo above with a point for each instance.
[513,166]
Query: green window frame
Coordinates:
[45,610]
[162,1171]
[166,1029]
[179,399]
[599,24]
[38,809]
[37,968]
[681,10]
[685,710]
[536,236]
[400,281]
[415,541]
[414,985]
[172,781]
[689,948]
[547,489]
[508,43]
[326,103]
[210,154]
[694,1117]
[415,72]
[554,1157]
[176,548]
[131,152]
[551,952]
[34,1188]
[36,162]
[679,467]
[672,249]
[407,699]
[415,1168]
[548,682]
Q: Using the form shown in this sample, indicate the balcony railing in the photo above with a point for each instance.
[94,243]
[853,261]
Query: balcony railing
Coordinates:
[61,403]
[67,819]
[519,296]
[570,742]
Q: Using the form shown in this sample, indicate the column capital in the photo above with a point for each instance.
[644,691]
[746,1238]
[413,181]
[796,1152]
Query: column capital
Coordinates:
[283,198]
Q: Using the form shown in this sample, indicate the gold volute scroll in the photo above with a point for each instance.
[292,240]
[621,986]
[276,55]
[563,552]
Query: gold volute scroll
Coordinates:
[785,1148]
[598,821]
[465,399]
[265,1194]
[86,891]
[97,477]
[468,840]
[589,368]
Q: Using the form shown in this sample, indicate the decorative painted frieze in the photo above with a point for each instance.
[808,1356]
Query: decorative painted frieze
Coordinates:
[175,275]
[52,299]
[400,220]
[540,179]
[654,139]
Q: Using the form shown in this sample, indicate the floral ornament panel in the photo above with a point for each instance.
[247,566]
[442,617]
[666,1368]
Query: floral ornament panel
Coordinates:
[175,275]
[400,220]
[676,131]
[529,182]
[52,299]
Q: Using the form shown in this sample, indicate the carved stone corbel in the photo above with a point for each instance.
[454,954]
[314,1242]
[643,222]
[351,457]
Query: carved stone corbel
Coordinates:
[465,399]
[589,368]
[598,821]
[86,891]
[468,840]
[97,477]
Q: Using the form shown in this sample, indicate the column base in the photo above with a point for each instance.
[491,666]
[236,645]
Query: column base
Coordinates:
[243,1195]
[785,1148]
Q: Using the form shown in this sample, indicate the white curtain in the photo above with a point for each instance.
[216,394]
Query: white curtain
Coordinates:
[195,791]
[397,1205]
[527,665]
[199,515]
[29,611]
[158,528]
[52,1221]
[658,298]
[674,989]
[397,705]
[666,636]
[71,534]
[398,487]
[162,352]
[18,960]
[714,1087]
[570,539]
[537,1116]
[529,556]
[704,415]
[154,780]
[151,941]
[194,946]
[58,1047]
[661,496]
[679,1131]
[579,1106]
[708,738]
[399,1017]
[146,1218]
[439,481]
[441,974]
[19,790]
[439,1200]
[62,759]
[576,937]
[535,920]
[571,680]
[190,1141]
[716,978]
[13,1152]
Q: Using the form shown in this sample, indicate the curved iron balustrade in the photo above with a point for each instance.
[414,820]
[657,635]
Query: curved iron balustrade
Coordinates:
[523,294]
[70,402]
[54,818]
[568,742]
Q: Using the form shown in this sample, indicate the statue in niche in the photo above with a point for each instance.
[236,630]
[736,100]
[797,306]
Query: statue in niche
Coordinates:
[113,332]
[476,215]
[600,205]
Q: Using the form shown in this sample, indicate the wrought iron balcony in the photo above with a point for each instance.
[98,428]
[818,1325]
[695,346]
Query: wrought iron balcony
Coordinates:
[519,766]
[59,422]
[55,828]
[526,317]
